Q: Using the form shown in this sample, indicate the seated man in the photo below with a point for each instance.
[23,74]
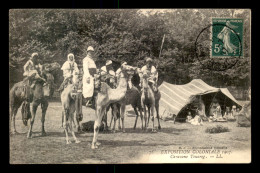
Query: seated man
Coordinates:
[229,114]
[33,68]
[70,69]
[107,74]
[197,121]
[149,70]
[213,107]
[118,72]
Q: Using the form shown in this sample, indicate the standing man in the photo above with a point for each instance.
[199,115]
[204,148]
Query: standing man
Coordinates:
[89,69]
[149,70]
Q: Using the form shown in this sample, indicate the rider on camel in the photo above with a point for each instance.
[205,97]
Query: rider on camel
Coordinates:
[69,68]
[108,71]
[129,83]
[33,68]
[149,70]
[89,70]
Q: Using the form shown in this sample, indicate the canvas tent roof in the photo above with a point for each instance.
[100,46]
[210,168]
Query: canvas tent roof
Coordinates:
[175,97]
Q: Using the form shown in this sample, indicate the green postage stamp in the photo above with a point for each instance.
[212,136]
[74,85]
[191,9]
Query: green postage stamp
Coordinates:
[227,37]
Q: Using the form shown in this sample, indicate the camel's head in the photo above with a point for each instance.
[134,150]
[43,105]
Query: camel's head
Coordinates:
[50,67]
[153,85]
[128,70]
[149,81]
[48,88]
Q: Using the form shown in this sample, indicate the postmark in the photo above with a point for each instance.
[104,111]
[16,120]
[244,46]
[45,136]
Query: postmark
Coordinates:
[219,46]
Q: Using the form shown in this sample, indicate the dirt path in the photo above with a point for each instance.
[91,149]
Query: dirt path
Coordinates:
[115,147]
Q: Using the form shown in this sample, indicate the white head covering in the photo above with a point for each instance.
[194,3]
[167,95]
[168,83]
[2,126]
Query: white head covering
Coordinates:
[108,62]
[71,54]
[33,55]
[234,107]
[90,48]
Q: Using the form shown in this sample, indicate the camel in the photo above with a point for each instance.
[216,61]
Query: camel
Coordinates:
[21,93]
[150,99]
[106,96]
[133,98]
[68,98]
[110,80]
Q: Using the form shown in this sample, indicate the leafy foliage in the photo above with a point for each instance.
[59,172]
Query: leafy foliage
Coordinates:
[123,35]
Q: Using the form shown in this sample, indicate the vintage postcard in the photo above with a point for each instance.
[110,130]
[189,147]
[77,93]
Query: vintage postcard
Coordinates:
[115,86]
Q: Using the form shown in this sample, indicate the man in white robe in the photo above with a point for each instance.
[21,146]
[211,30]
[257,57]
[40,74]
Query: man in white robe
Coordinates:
[70,69]
[89,69]
[149,70]
[32,68]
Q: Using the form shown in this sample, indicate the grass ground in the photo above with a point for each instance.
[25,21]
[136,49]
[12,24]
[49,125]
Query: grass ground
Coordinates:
[116,147]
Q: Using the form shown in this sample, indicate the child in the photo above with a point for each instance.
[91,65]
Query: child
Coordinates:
[189,117]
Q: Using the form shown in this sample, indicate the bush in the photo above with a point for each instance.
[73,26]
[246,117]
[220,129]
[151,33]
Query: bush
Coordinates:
[217,129]
[243,121]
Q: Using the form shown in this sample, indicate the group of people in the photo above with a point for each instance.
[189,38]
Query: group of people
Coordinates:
[70,70]
[215,114]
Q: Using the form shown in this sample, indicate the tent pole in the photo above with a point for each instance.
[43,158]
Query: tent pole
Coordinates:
[211,102]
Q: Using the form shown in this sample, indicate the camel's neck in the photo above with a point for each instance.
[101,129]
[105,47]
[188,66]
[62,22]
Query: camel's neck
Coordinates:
[148,93]
[120,92]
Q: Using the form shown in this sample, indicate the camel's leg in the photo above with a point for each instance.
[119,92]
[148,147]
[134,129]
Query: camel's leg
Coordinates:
[80,110]
[117,117]
[141,115]
[13,114]
[65,124]
[157,113]
[122,115]
[99,114]
[78,105]
[149,113]
[77,112]
[44,109]
[152,117]
[136,113]
[104,120]
[113,117]
[71,119]
[119,125]
[34,109]
[145,117]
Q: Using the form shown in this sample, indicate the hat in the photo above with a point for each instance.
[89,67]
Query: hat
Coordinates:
[108,62]
[124,63]
[149,59]
[90,48]
[34,54]
[234,107]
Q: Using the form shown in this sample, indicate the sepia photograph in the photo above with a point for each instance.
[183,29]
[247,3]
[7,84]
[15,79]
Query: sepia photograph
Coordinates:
[129,86]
